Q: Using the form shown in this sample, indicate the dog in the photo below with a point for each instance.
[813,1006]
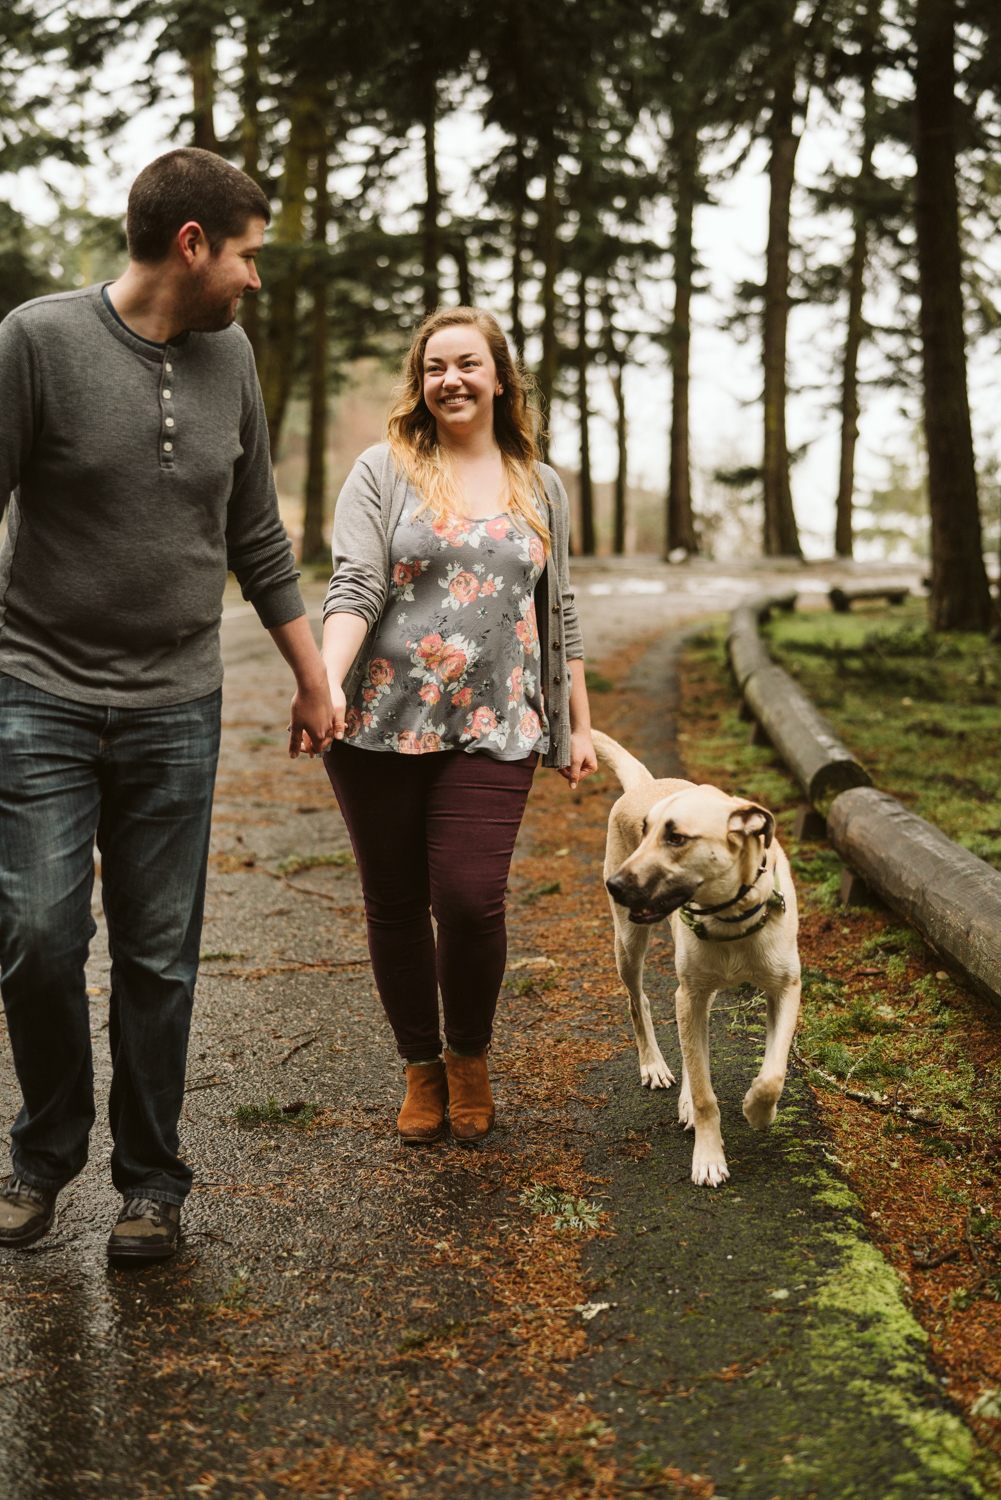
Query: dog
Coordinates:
[711,863]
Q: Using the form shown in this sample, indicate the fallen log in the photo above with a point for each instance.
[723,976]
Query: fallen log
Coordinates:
[822,765]
[950,896]
[745,648]
[842,599]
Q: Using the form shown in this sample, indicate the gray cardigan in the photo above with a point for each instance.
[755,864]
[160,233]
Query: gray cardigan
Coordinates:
[368,508]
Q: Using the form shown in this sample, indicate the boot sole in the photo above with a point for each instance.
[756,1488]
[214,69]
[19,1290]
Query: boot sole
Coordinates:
[470,1140]
[31,1238]
[161,1253]
[421,1140]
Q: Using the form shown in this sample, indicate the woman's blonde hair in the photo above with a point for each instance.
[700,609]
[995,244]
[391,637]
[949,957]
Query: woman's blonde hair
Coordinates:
[413,432]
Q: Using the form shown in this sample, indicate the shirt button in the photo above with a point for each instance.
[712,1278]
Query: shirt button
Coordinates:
[168,422]
[166,395]
[168,368]
[168,447]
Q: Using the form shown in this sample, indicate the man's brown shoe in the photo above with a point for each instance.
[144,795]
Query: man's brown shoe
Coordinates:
[146,1230]
[470,1102]
[26,1213]
[422,1118]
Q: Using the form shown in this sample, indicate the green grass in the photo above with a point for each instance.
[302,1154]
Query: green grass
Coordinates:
[299,1115]
[566,1211]
[294,864]
[922,711]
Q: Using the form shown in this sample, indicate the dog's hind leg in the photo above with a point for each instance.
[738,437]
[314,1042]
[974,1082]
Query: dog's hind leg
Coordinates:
[762,1098]
[697,1106]
[630,950]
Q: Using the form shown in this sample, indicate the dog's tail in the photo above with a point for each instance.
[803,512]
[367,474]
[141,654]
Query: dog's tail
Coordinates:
[630,771]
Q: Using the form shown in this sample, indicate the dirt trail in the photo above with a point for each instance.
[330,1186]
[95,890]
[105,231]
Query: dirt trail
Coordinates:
[346,1317]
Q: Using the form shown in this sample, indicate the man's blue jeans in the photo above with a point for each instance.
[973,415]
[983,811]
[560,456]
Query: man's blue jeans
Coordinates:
[141,781]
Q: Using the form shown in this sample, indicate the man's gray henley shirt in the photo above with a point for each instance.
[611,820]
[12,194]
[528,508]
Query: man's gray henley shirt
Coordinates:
[140,473]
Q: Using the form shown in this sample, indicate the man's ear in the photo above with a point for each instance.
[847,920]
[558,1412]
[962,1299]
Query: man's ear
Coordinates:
[751,819]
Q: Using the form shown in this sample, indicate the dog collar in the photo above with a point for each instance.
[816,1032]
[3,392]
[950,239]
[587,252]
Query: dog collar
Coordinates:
[776,901]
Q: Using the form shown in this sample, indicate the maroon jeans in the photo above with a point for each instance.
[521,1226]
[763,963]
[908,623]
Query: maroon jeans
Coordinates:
[433,834]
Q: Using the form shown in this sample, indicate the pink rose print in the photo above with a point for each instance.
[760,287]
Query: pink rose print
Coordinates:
[497,528]
[452,664]
[482,721]
[404,573]
[463,699]
[352,723]
[464,587]
[430,651]
[407,742]
[536,551]
[380,672]
[529,726]
[527,631]
[430,742]
[488,586]
[516,683]
[452,531]
[366,719]
[369,694]
[430,693]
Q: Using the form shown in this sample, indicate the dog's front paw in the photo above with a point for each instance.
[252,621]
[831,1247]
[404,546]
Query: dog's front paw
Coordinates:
[760,1104]
[656,1074]
[709,1168]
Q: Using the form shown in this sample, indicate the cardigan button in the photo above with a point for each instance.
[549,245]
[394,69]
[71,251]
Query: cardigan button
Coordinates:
[556,609]
[556,712]
[556,645]
[557,678]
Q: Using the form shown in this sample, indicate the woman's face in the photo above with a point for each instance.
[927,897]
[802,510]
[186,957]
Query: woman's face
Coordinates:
[460,381]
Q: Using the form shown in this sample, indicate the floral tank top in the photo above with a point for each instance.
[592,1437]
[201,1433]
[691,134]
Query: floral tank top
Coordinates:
[455,663]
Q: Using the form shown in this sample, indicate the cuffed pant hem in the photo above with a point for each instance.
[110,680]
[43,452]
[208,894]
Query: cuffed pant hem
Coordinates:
[44,1184]
[423,1054]
[469,1049]
[154,1194]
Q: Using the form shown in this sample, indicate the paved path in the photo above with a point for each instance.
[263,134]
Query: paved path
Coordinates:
[346,1317]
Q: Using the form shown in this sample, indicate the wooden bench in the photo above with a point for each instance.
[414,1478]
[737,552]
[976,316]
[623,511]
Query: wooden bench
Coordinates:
[842,599]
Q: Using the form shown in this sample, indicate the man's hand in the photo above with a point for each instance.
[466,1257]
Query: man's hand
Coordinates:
[583,761]
[311,727]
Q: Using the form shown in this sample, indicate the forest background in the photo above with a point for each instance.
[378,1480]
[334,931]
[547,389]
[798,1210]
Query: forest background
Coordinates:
[726,236]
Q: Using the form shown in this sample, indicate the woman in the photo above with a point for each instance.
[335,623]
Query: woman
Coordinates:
[455,660]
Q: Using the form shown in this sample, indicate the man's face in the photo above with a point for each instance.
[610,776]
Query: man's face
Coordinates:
[217,282]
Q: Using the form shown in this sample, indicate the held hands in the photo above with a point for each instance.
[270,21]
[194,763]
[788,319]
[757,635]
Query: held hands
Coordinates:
[312,722]
[583,761]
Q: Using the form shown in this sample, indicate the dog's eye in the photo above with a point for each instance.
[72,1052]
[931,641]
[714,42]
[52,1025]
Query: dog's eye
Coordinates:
[675,839]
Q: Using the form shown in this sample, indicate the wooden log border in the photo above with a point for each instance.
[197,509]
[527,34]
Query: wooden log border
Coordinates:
[822,765]
[952,898]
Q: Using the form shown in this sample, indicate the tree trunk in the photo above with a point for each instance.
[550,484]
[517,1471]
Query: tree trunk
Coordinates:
[313,545]
[200,58]
[960,594]
[680,523]
[280,342]
[460,255]
[517,251]
[619,542]
[849,373]
[586,486]
[250,146]
[432,204]
[781,537]
[550,249]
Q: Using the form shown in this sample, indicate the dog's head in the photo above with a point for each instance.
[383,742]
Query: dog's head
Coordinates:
[698,844]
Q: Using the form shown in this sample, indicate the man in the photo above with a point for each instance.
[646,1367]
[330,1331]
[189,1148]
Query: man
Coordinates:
[132,432]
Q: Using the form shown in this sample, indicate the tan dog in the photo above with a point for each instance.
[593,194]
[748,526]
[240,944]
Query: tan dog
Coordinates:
[710,862]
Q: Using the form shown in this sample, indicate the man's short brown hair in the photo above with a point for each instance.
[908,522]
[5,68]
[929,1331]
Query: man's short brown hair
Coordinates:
[189,184]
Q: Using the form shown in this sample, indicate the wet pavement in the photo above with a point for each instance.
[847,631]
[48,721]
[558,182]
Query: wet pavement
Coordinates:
[348,1317]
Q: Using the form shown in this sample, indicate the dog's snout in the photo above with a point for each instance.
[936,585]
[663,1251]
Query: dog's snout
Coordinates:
[617,887]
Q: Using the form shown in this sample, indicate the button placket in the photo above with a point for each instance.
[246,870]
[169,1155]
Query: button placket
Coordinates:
[167,423]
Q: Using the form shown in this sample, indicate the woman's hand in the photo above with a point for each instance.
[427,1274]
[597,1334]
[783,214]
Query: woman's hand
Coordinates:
[338,700]
[583,761]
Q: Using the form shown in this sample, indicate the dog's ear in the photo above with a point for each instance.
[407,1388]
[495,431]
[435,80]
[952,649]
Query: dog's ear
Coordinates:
[751,819]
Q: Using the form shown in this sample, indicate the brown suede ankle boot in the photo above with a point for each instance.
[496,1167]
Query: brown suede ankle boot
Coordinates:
[470,1102]
[422,1118]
